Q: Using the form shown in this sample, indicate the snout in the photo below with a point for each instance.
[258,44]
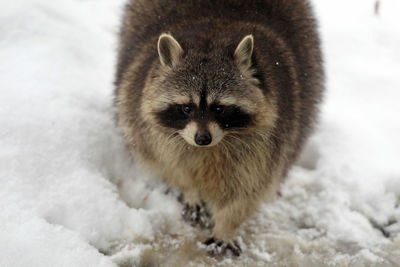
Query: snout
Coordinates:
[207,136]
[203,138]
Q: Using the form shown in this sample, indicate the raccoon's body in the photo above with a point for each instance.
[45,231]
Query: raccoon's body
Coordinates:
[218,97]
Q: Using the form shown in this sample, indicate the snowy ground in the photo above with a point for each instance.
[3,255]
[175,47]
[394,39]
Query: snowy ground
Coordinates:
[69,195]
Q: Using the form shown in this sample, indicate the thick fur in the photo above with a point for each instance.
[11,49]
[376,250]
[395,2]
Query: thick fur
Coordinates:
[280,88]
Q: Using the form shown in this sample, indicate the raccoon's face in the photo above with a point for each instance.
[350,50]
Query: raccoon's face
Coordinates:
[204,97]
[201,122]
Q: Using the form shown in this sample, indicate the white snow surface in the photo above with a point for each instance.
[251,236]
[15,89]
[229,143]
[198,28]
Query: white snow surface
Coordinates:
[70,194]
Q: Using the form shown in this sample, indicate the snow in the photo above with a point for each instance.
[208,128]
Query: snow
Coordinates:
[70,194]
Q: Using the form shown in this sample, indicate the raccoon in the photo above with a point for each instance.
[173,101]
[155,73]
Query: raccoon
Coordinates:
[218,98]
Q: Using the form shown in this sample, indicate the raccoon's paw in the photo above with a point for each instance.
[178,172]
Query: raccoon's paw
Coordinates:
[197,215]
[218,247]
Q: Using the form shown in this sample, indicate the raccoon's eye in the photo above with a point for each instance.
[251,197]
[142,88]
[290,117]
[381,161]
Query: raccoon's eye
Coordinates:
[219,109]
[186,109]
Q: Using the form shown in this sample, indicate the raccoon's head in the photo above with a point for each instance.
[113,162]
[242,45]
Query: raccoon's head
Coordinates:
[205,92]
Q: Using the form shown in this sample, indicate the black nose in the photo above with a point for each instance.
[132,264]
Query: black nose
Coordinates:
[202,138]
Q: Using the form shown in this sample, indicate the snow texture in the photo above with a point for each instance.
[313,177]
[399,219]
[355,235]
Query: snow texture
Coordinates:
[71,196]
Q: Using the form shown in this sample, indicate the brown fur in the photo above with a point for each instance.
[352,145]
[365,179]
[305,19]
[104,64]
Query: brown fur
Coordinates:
[280,84]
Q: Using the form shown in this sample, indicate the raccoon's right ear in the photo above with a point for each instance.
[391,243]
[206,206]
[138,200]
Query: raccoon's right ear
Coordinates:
[169,50]
[243,52]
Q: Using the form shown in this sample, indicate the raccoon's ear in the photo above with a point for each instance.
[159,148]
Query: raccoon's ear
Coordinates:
[244,51]
[169,50]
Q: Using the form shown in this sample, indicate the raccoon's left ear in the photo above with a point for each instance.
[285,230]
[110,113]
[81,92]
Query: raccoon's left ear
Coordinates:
[169,50]
[244,51]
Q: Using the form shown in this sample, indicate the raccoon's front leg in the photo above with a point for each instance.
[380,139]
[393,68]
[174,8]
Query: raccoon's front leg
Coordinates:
[227,221]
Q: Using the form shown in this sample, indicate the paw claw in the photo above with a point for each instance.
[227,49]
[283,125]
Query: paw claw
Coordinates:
[236,250]
[219,247]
